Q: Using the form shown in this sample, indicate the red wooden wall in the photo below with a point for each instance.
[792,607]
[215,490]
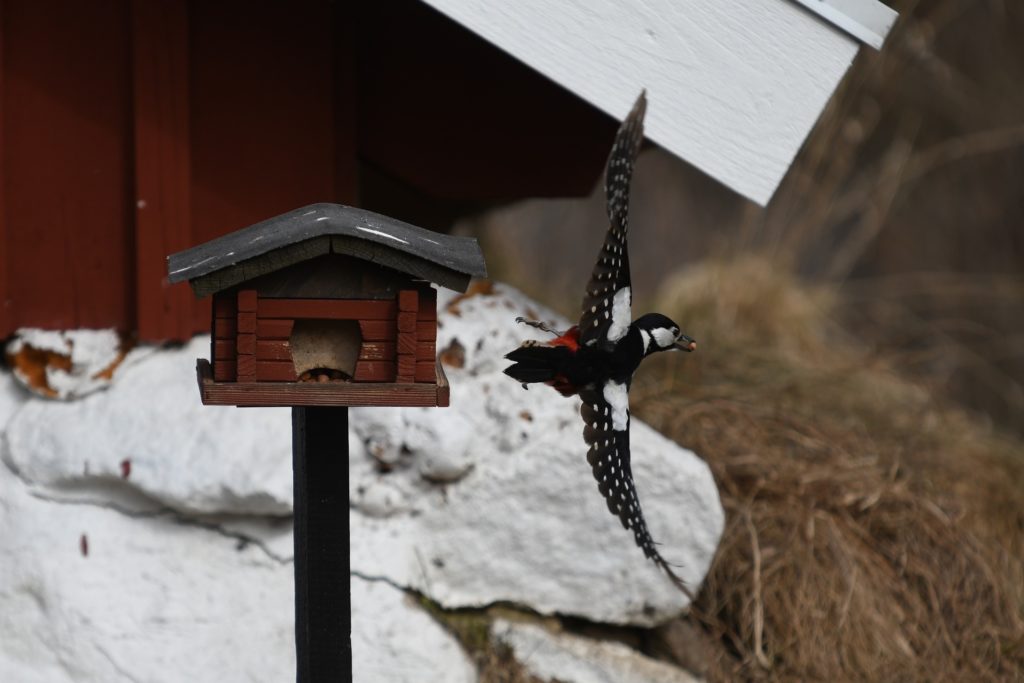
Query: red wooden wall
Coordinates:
[131,129]
[66,113]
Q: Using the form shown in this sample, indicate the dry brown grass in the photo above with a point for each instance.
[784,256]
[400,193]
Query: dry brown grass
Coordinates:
[873,532]
[912,177]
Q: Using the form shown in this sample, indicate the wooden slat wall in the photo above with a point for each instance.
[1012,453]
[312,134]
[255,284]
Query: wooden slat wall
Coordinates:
[374,350]
[252,336]
[555,148]
[377,354]
[162,160]
[408,306]
[426,336]
[346,149]
[130,129]
[245,340]
[225,332]
[375,332]
[249,347]
[66,161]
[327,309]
[399,336]
[5,300]
[262,112]
[273,350]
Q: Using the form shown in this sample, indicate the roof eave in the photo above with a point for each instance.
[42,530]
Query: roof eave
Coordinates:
[250,269]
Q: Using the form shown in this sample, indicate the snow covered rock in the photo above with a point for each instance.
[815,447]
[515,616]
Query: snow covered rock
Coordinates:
[151,432]
[565,657]
[65,364]
[94,595]
[147,537]
[12,397]
[515,515]
[394,641]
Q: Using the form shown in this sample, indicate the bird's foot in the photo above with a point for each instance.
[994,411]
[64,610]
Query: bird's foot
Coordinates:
[539,325]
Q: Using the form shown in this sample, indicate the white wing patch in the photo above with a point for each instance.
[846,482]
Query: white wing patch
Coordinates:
[617,396]
[621,315]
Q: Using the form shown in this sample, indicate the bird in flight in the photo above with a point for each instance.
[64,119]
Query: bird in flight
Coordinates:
[596,358]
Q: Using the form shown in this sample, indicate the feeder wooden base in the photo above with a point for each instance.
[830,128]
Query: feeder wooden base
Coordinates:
[269,394]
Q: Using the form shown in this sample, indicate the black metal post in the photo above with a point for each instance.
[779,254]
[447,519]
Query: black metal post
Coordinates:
[323,619]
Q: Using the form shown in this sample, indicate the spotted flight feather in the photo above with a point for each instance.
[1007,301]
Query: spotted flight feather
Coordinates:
[609,458]
[606,310]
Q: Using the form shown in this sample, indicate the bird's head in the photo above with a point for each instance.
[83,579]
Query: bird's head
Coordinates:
[659,333]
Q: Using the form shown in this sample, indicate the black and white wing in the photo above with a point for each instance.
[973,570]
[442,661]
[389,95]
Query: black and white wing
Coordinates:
[605,413]
[607,302]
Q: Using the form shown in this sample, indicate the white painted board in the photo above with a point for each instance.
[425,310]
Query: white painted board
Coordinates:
[866,20]
[733,87]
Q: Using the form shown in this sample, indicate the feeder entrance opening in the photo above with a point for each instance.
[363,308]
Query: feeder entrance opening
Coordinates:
[325,350]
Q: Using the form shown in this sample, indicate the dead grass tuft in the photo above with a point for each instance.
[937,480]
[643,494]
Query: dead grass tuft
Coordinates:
[873,532]
[747,297]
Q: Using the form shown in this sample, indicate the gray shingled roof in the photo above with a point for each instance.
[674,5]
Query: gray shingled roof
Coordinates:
[459,254]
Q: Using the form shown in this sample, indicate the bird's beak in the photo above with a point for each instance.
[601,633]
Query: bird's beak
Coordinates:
[684,343]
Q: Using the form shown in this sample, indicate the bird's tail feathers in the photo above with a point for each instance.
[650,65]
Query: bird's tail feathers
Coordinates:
[536,362]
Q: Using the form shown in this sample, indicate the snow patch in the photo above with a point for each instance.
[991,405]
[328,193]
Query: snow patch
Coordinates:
[183,454]
[565,657]
[394,641]
[76,362]
[152,600]
[92,595]
[12,397]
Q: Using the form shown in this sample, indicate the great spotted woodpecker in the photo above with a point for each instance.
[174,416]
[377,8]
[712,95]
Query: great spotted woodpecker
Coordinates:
[597,357]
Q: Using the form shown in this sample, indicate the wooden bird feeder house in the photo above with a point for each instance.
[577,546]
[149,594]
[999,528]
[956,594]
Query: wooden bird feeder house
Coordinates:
[322,308]
[326,305]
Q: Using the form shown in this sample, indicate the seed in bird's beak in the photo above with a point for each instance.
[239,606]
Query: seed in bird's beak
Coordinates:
[684,343]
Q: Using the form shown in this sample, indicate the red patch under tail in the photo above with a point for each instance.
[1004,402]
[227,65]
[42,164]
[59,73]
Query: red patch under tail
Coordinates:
[571,339]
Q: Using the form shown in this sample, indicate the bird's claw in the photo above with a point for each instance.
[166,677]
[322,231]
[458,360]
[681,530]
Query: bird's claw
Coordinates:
[538,324]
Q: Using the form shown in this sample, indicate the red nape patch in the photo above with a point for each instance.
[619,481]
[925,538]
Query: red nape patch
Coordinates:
[570,339]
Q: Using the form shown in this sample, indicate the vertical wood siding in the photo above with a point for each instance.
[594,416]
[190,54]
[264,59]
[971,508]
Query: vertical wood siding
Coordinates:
[66,164]
[262,134]
[131,129]
[162,166]
[6,320]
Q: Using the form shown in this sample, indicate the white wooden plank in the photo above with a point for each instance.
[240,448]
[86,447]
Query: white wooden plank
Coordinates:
[866,20]
[734,87]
